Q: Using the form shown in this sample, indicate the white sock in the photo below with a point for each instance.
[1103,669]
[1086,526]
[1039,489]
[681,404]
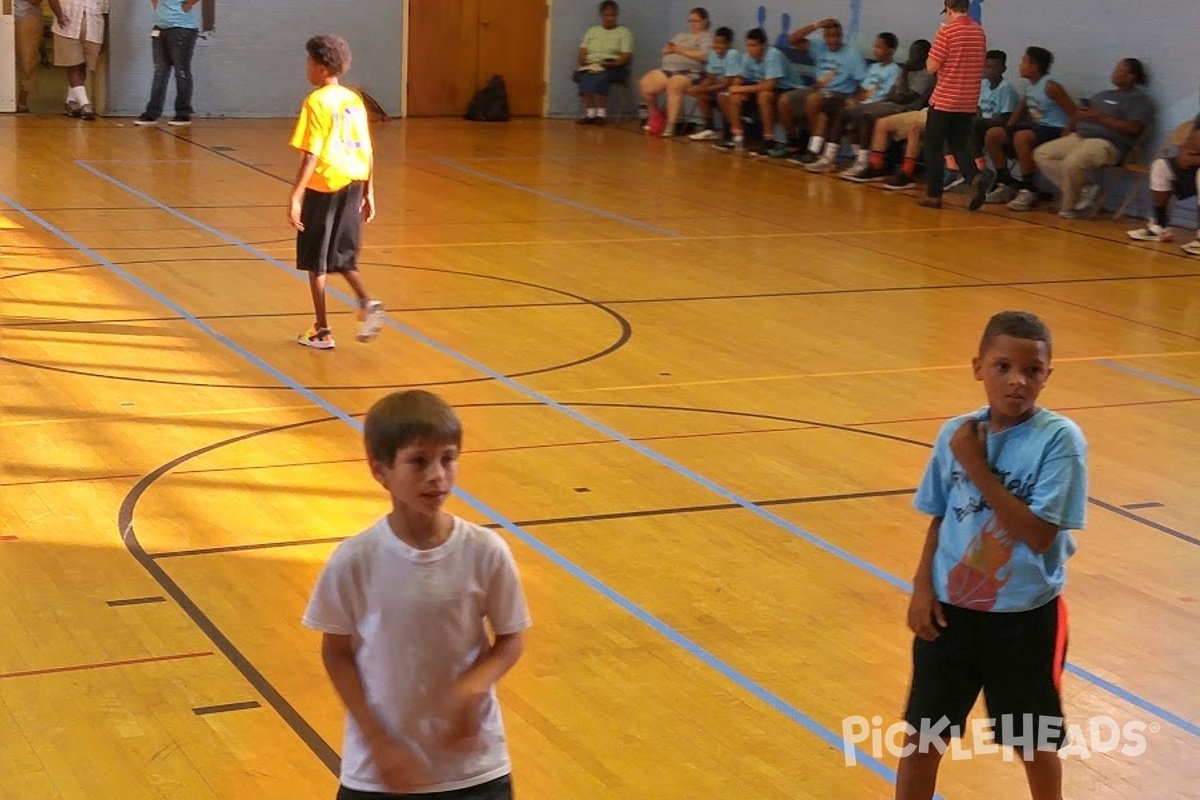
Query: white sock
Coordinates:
[831,150]
[816,143]
[81,96]
[601,112]
[855,150]
[591,113]
[864,156]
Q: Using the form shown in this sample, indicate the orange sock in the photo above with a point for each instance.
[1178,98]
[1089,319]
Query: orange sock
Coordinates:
[909,167]
[951,164]
[876,159]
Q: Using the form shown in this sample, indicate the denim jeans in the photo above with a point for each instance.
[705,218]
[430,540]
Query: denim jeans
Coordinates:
[173,48]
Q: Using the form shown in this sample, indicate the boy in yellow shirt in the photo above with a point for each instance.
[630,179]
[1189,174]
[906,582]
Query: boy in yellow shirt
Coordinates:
[334,190]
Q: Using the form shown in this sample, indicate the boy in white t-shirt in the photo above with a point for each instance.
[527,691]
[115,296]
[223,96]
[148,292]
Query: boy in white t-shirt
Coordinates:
[402,609]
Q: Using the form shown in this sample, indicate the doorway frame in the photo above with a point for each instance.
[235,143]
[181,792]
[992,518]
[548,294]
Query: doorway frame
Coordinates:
[404,59]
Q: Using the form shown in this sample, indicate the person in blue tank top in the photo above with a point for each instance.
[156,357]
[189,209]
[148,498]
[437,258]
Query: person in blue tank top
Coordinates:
[1005,486]
[1042,115]
[719,70]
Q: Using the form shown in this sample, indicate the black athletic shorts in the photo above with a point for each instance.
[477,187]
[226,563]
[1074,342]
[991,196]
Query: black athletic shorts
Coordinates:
[498,789]
[332,235]
[1016,659]
[1185,180]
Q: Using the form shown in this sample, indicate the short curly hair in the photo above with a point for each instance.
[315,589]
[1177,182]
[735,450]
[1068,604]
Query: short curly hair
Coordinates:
[331,52]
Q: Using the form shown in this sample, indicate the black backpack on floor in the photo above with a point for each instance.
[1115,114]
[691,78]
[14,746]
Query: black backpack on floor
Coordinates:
[490,104]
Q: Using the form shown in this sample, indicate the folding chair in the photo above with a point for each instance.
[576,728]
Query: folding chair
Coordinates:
[1136,167]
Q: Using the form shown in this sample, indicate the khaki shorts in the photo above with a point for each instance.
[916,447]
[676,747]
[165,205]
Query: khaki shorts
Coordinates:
[903,123]
[73,52]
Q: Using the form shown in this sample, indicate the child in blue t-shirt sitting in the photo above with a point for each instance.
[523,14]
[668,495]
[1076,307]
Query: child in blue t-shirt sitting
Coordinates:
[1005,486]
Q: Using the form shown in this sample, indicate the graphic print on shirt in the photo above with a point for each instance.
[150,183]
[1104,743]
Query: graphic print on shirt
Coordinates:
[976,580]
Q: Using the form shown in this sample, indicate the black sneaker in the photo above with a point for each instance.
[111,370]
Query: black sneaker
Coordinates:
[900,182]
[871,175]
[146,120]
[181,120]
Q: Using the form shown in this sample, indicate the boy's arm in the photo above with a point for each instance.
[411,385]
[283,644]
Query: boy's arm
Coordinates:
[1012,514]
[399,767]
[308,164]
[1018,114]
[368,202]
[487,672]
[337,653]
[57,11]
[924,608]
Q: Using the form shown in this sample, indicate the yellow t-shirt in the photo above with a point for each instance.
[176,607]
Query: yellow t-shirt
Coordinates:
[333,126]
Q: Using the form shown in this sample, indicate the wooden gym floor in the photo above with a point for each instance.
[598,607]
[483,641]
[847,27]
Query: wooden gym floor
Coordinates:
[699,393]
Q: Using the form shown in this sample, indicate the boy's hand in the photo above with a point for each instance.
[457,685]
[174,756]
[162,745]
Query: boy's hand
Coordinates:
[969,444]
[464,709]
[368,206]
[400,769]
[294,213]
[923,610]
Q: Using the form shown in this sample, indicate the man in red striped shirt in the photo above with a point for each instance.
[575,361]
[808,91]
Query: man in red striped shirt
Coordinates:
[957,58]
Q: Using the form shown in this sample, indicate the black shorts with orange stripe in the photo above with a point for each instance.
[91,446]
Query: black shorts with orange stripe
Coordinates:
[1016,659]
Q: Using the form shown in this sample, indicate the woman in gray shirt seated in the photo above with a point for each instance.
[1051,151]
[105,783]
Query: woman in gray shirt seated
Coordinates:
[683,62]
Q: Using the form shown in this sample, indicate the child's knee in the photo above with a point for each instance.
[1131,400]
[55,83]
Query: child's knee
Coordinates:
[1162,177]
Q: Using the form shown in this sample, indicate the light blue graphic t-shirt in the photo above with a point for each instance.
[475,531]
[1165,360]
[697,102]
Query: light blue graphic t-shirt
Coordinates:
[980,566]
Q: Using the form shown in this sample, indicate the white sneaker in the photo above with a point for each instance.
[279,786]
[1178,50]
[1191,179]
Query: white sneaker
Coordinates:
[704,135]
[823,163]
[370,321]
[1025,200]
[1153,232]
[1087,197]
[1192,248]
[1003,193]
[854,170]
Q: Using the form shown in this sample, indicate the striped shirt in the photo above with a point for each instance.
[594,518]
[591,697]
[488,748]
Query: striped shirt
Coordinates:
[960,47]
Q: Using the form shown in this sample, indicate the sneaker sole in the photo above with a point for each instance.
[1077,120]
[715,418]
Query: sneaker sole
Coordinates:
[984,183]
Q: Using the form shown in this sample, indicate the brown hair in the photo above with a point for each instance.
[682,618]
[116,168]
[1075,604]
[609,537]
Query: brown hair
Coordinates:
[401,418]
[1017,324]
[331,52]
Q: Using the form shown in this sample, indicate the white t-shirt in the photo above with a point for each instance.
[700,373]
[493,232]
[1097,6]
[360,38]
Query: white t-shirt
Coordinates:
[417,622]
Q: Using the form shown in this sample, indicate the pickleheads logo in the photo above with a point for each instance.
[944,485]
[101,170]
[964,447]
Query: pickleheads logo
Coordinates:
[1101,734]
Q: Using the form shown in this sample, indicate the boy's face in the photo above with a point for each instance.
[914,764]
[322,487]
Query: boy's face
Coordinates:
[754,49]
[608,17]
[1014,372]
[317,73]
[421,475]
[1029,70]
[993,70]
[917,57]
[1122,75]
[882,52]
[720,45]
[833,39]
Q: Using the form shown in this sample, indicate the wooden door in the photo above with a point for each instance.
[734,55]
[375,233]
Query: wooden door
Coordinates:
[512,43]
[443,56]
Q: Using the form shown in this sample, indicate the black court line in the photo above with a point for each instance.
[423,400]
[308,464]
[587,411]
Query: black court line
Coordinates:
[221,709]
[225,155]
[533,523]
[1139,506]
[48,271]
[623,337]
[302,728]
[994,215]
[137,601]
[1148,523]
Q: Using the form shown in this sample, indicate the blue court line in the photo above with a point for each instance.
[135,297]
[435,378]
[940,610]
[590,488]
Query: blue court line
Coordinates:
[599,212]
[743,682]
[662,460]
[1150,376]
